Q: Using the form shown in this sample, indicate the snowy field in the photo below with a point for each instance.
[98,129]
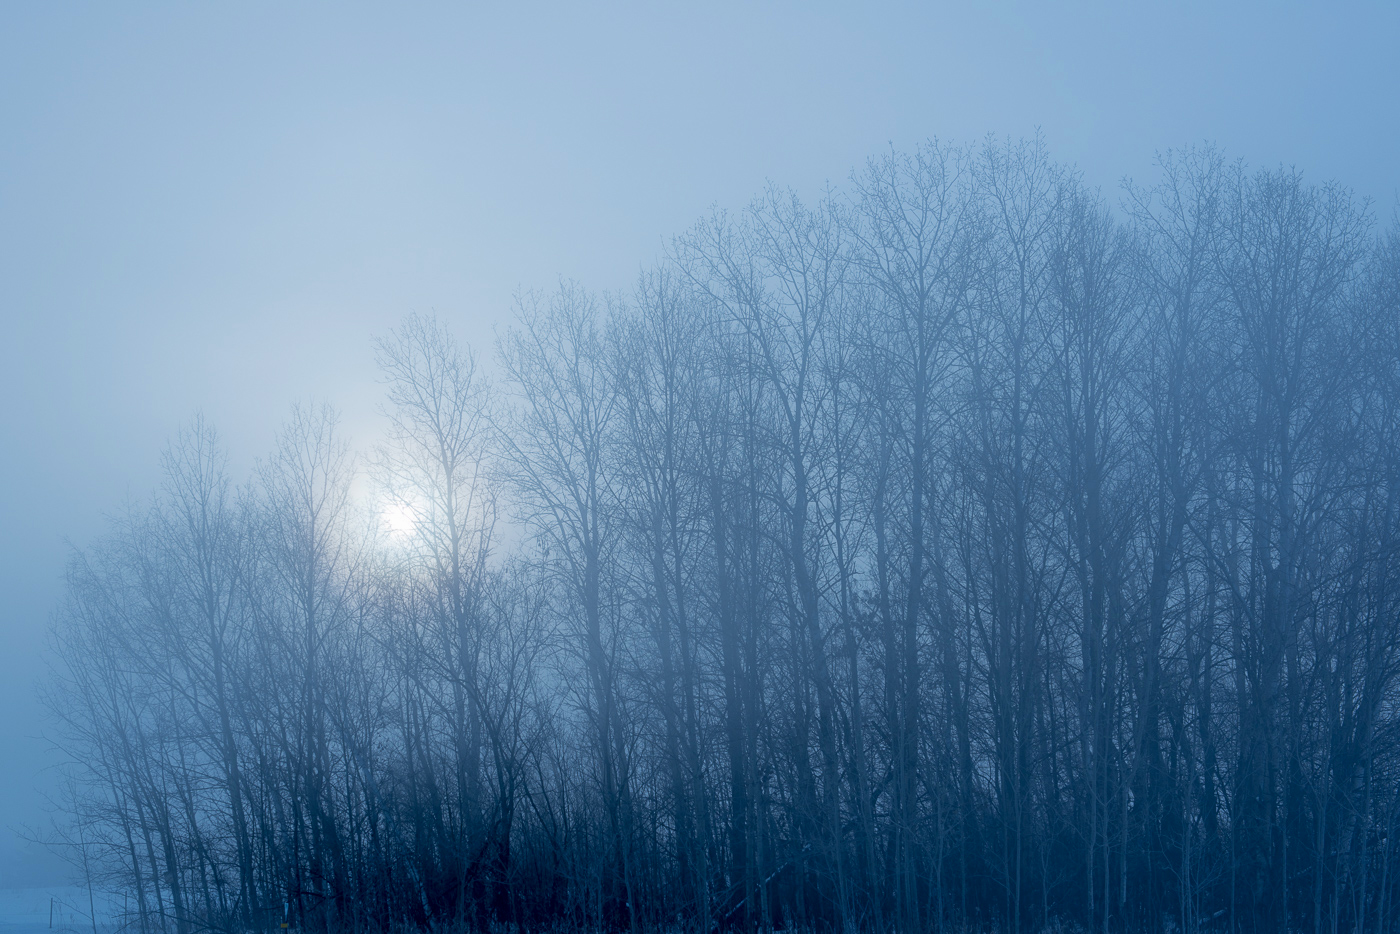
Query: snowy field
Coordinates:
[60,909]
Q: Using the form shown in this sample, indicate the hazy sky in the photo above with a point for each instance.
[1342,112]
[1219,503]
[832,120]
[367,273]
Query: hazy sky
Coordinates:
[215,206]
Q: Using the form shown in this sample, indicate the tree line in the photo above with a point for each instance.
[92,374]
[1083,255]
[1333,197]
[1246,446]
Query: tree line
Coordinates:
[962,550]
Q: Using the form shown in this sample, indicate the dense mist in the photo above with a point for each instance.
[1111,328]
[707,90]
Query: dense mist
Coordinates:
[966,549]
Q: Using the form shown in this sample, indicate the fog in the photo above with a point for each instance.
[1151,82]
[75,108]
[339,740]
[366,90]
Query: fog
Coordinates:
[217,211]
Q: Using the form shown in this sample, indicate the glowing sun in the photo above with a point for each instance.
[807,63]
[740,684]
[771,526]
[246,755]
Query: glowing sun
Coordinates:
[399,519]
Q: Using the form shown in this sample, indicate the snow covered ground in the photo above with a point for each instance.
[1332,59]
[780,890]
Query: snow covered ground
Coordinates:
[61,909]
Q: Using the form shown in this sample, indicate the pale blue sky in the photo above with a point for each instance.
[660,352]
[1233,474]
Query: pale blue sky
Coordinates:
[214,206]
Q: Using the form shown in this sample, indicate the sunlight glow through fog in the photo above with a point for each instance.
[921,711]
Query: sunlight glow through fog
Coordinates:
[398,519]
